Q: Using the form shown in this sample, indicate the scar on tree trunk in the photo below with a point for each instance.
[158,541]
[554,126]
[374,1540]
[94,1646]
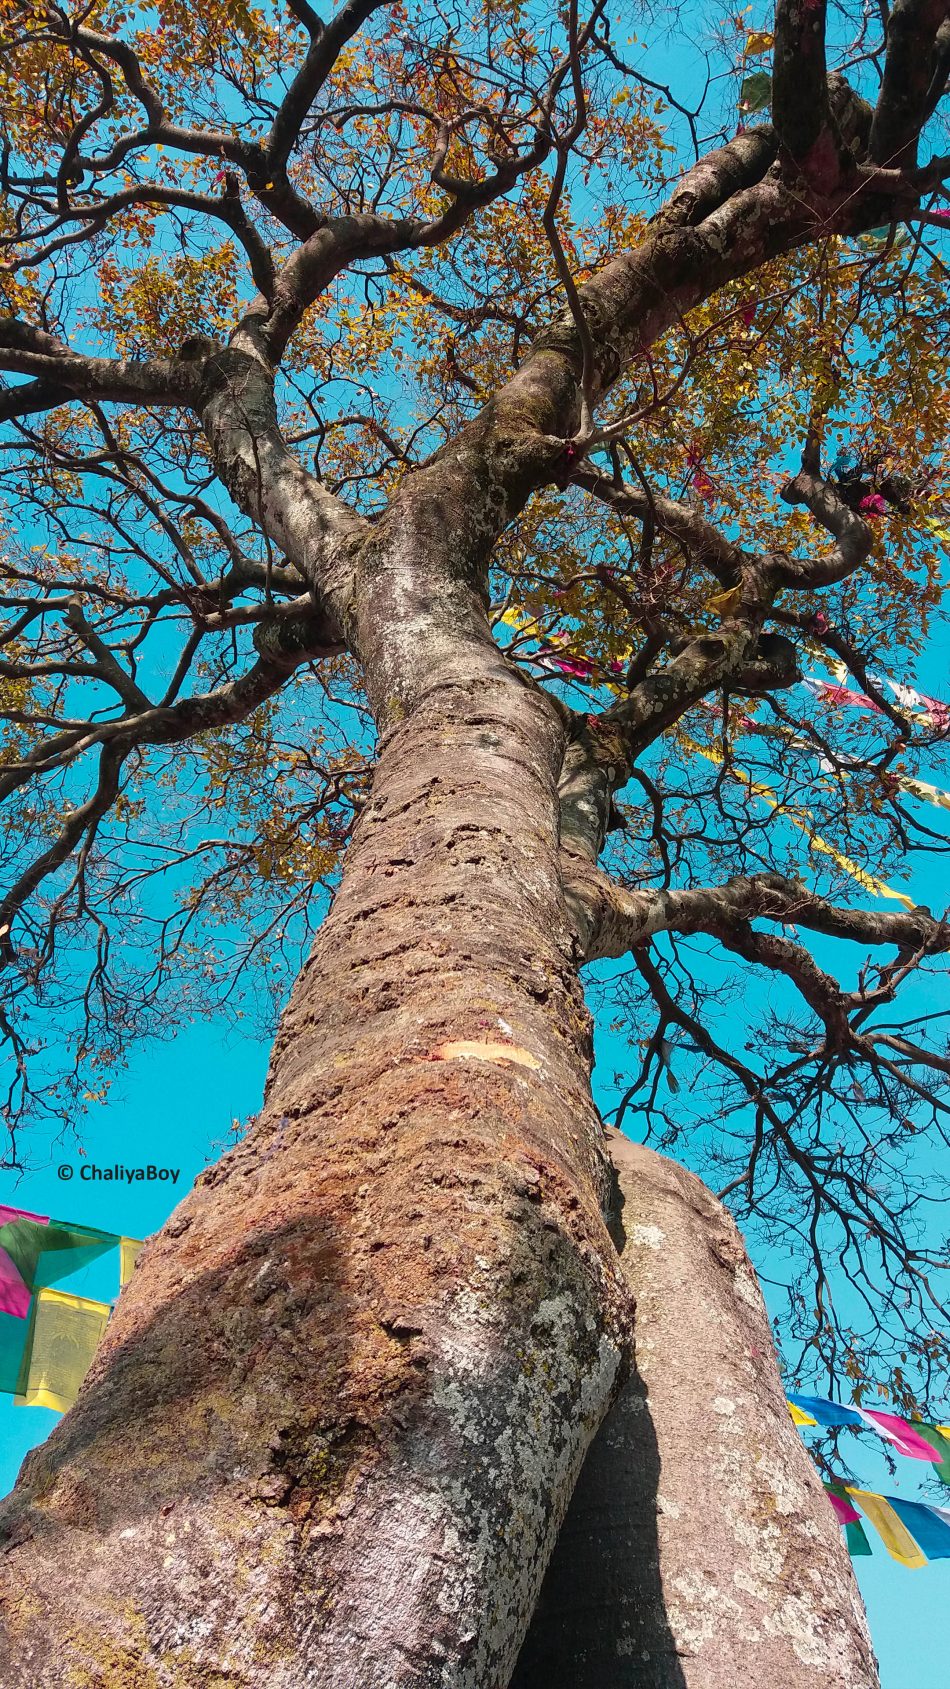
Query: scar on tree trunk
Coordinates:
[699,1550]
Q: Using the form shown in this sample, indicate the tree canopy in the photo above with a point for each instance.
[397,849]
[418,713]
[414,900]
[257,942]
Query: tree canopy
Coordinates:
[672,295]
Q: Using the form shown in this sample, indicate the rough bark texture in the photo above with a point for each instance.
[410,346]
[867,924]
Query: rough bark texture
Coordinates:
[364,1360]
[699,1551]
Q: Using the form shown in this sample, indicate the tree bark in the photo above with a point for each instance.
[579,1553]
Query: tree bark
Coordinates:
[338,1415]
[699,1550]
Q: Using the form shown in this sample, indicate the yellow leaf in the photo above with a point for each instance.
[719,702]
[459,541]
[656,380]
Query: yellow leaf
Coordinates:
[725,602]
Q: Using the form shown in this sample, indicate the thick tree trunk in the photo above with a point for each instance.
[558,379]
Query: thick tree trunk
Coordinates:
[699,1551]
[338,1417]
[339,1413]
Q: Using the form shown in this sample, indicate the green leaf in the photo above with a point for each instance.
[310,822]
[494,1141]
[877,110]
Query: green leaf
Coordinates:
[756,91]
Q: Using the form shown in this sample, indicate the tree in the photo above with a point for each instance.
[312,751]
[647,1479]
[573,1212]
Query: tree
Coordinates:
[455,371]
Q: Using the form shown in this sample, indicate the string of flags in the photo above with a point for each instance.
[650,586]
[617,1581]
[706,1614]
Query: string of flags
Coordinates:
[802,819]
[48,1336]
[930,712]
[910,1437]
[913,1532]
[897,782]
[554,655]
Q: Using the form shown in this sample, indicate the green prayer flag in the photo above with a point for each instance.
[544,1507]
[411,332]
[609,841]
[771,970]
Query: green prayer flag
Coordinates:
[856,1538]
[13,1335]
[44,1254]
[940,1444]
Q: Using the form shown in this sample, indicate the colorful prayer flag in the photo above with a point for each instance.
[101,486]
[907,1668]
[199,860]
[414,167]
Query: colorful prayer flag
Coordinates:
[930,1530]
[901,1433]
[890,1528]
[65,1333]
[47,1336]
[825,1412]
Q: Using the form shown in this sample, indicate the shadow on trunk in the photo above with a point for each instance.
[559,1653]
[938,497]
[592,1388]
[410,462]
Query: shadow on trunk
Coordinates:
[601,1620]
[699,1550]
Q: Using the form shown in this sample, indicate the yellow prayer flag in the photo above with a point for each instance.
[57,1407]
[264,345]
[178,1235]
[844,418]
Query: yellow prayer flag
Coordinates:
[936,527]
[65,1333]
[879,888]
[799,1417]
[515,617]
[892,1531]
[759,42]
[129,1249]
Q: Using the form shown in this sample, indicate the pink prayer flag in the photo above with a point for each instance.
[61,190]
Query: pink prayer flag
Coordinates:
[873,505]
[14,1294]
[847,1515]
[8,1214]
[901,1433]
[581,668]
[839,694]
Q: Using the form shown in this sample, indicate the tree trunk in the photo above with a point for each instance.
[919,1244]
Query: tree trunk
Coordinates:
[699,1550]
[339,1413]
[336,1422]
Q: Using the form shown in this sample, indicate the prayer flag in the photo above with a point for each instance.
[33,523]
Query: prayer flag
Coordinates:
[854,1533]
[937,714]
[756,91]
[64,1334]
[129,1250]
[901,1433]
[856,1538]
[930,1531]
[826,1413]
[14,1287]
[38,1252]
[847,1513]
[799,1417]
[891,1530]
[940,1444]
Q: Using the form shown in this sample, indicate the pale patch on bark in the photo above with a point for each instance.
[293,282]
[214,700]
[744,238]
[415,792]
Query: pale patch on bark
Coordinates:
[651,1237]
[463,1049]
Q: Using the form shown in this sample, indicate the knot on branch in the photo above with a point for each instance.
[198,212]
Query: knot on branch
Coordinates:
[287,641]
[772,666]
[852,115]
[197,347]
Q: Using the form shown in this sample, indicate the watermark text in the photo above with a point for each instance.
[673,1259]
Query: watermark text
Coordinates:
[90,1172]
